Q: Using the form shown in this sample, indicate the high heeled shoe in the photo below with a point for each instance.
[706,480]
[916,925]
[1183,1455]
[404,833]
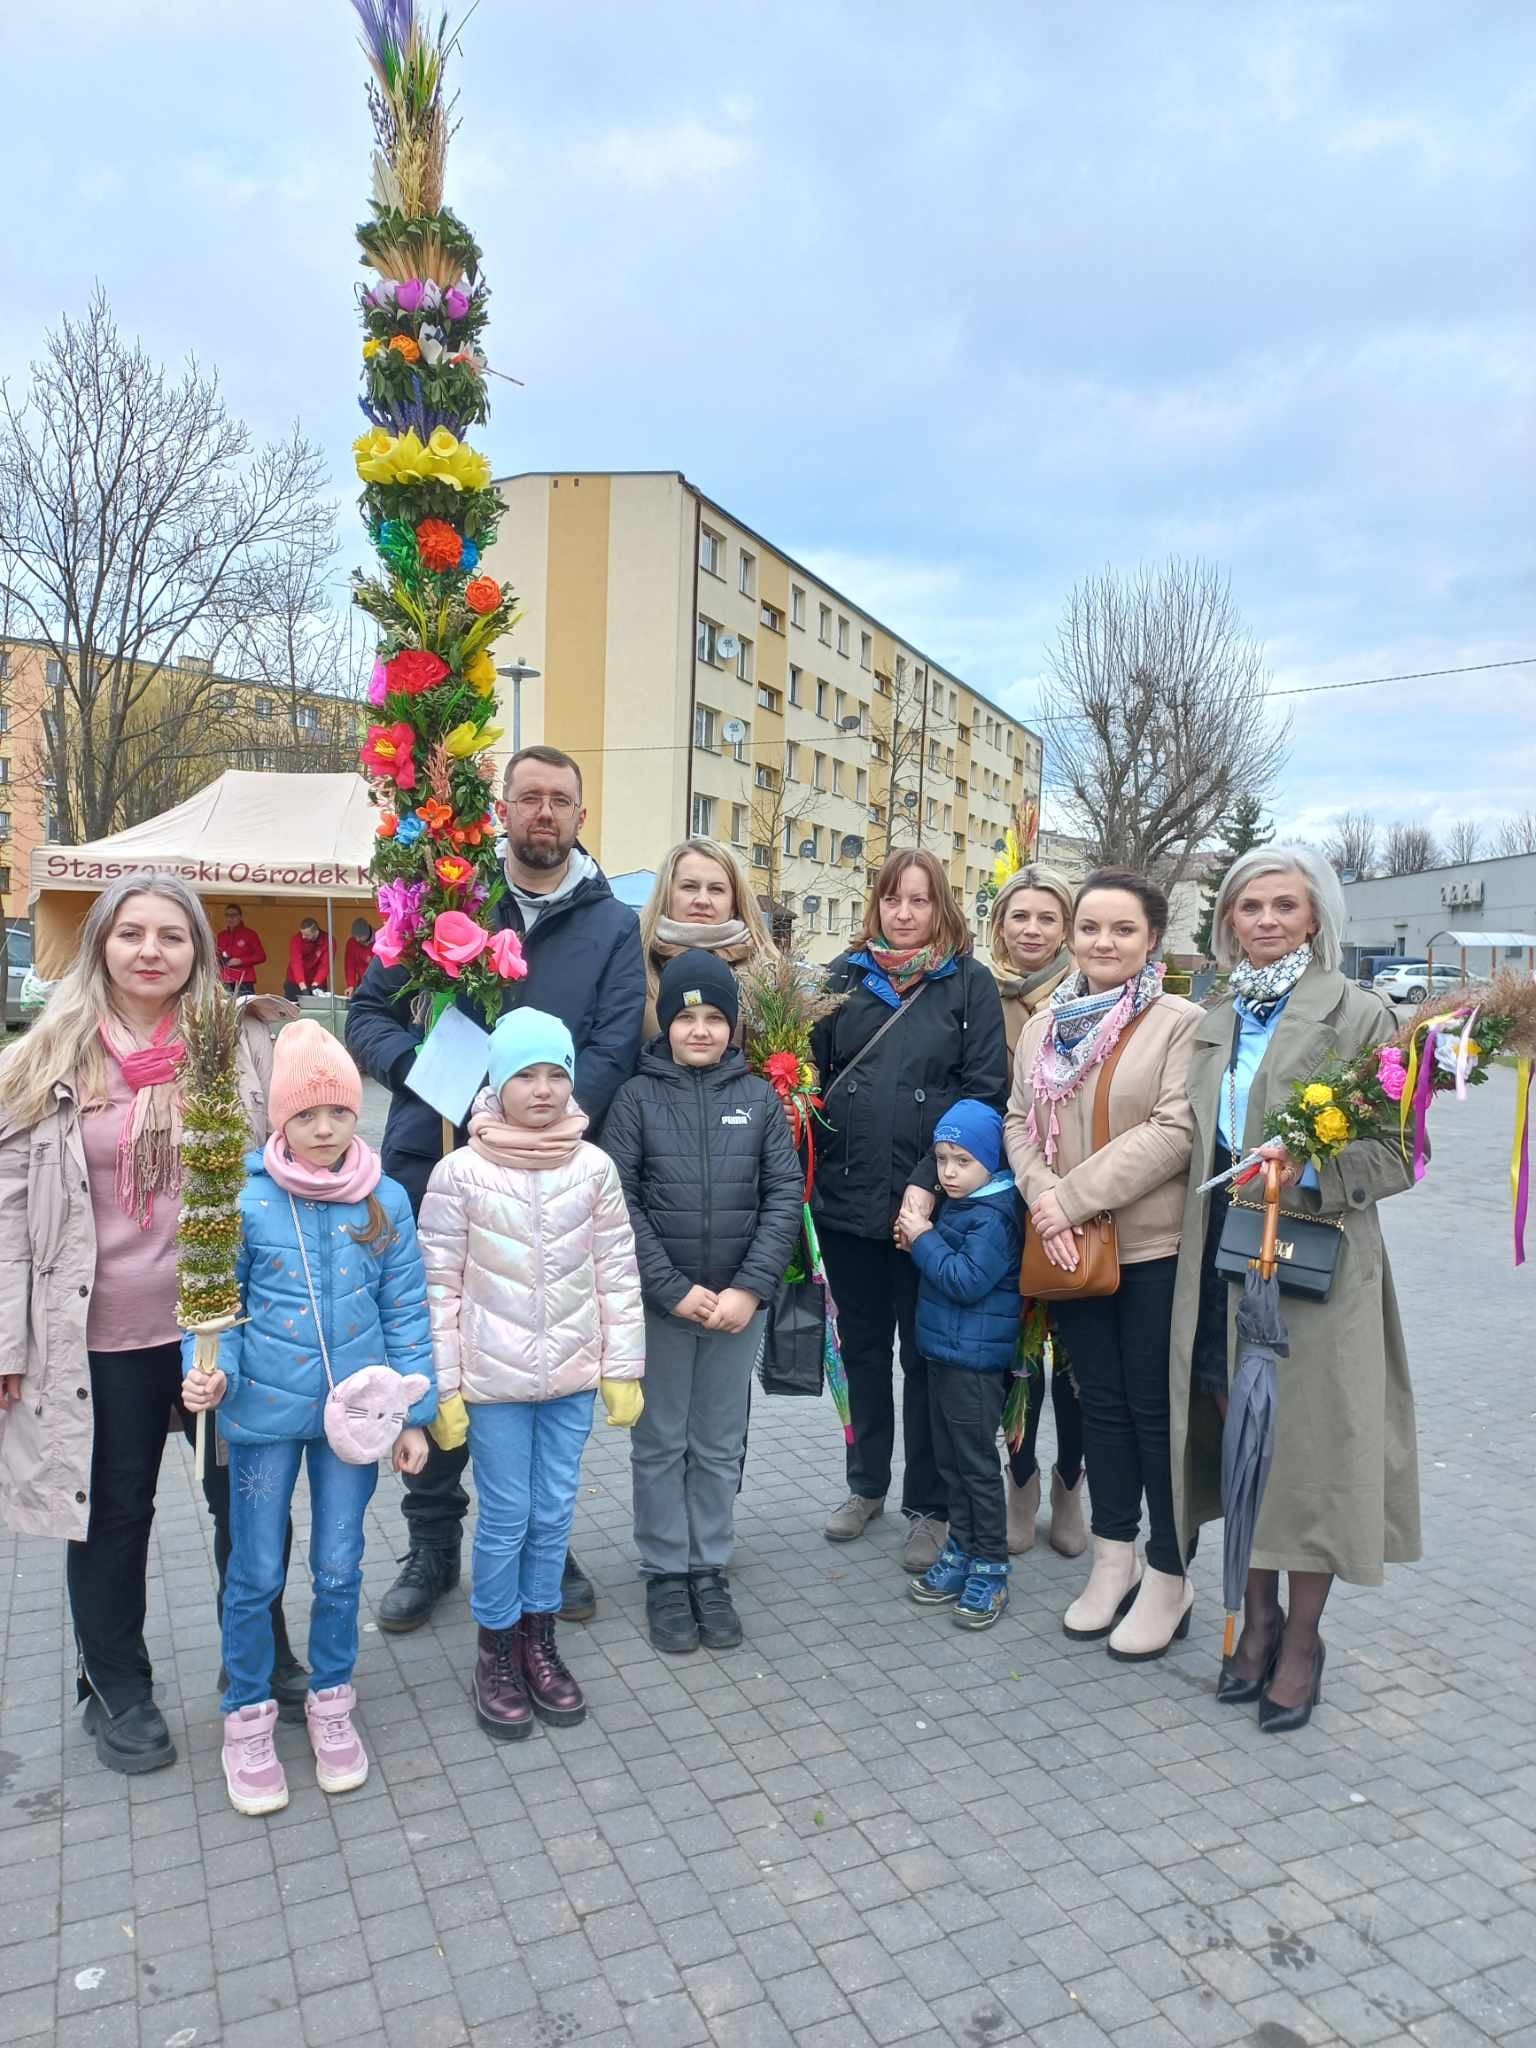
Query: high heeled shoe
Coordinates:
[1275,1720]
[1233,1691]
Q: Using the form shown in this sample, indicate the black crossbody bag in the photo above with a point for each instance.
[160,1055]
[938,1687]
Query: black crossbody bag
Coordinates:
[1308,1248]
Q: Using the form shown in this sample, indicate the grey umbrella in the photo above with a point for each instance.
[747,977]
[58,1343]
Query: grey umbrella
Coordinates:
[1248,1435]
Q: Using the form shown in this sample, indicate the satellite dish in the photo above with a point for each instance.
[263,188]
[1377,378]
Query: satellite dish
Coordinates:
[735,732]
[853,846]
[727,645]
[910,799]
[807,849]
[810,903]
[850,724]
[998,845]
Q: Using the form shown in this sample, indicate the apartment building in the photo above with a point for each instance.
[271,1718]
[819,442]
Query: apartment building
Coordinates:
[709,682]
[22,676]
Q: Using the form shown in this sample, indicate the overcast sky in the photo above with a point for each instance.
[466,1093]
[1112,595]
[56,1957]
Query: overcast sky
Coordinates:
[957,303]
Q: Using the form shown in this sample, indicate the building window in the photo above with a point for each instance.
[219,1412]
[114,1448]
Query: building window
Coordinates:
[5,664]
[818,771]
[882,685]
[791,761]
[938,696]
[931,816]
[5,767]
[739,747]
[5,881]
[839,705]
[795,677]
[747,575]
[263,707]
[5,717]
[55,673]
[769,699]
[772,618]
[821,698]
[837,778]
[933,756]
[812,916]
[863,710]
[5,825]
[709,635]
[791,828]
[866,650]
[949,760]
[878,750]
[702,823]
[762,856]
[765,777]
[861,786]
[824,628]
[711,547]
[877,814]
[224,701]
[704,727]
[744,660]
[834,913]
[842,636]
[50,725]
[797,606]
[738,824]
[307,718]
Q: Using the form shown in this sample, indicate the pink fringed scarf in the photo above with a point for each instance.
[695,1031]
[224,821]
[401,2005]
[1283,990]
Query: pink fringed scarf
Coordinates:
[506,1144]
[149,1146]
[1066,1058]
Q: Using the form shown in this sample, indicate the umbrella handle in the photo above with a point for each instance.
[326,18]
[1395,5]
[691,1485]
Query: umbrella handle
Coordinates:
[1267,1243]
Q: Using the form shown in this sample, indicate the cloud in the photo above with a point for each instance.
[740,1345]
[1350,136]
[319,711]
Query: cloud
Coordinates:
[684,153]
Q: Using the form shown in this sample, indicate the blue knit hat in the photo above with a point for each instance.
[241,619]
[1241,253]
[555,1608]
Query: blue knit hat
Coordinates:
[529,1038]
[974,1127]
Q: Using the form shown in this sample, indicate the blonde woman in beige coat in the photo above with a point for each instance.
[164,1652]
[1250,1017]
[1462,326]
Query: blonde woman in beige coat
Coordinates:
[701,898]
[1118,1343]
[1031,917]
[90,1350]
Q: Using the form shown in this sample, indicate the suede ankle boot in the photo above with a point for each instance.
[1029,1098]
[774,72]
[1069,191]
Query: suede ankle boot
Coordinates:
[1158,1616]
[501,1695]
[1069,1527]
[1109,1592]
[1023,1507]
[552,1692]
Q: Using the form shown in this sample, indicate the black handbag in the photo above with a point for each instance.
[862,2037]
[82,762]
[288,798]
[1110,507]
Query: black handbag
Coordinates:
[1307,1249]
[794,1339]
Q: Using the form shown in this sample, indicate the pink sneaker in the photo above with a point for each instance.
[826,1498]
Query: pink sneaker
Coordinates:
[341,1762]
[251,1768]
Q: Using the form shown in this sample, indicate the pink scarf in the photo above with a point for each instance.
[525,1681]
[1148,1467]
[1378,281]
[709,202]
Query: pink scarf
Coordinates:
[149,1146]
[507,1144]
[352,1179]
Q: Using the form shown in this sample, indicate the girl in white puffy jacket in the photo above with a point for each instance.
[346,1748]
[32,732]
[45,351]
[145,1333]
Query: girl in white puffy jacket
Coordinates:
[535,1302]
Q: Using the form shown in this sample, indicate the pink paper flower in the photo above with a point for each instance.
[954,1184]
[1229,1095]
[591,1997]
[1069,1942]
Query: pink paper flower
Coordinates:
[507,956]
[456,941]
[378,683]
[408,295]
[1391,1074]
[455,303]
[391,942]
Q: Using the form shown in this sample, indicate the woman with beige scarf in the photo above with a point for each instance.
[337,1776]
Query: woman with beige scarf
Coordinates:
[700,898]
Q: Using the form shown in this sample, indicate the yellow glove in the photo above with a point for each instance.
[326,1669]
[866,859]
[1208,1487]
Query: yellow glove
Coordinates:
[450,1432]
[624,1400]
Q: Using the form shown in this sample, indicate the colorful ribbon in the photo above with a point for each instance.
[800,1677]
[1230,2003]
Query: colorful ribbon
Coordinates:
[1520,1156]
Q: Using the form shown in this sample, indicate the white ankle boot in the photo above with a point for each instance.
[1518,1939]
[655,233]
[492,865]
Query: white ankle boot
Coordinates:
[1160,1616]
[1109,1592]
[1023,1506]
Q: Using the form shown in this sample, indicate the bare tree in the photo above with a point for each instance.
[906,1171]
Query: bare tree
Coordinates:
[1155,711]
[787,813]
[1517,834]
[1464,842]
[1351,847]
[921,744]
[137,525]
[1409,849]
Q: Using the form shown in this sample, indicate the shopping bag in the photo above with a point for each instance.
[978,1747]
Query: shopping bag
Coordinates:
[794,1339]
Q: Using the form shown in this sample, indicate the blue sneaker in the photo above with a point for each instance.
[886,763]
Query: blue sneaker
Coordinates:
[984,1599]
[943,1581]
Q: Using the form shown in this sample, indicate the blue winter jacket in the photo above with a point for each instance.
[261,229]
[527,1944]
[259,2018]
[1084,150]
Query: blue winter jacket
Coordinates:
[968,1304]
[374,1308]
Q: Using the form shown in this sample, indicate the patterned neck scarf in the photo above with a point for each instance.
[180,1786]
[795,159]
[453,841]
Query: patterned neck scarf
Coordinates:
[149,1148]
[1084,1029]
[1259,991]
[905,966]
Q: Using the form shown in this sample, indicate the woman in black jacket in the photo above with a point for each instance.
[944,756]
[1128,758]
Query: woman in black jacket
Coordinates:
[882,1100]
[715,1193]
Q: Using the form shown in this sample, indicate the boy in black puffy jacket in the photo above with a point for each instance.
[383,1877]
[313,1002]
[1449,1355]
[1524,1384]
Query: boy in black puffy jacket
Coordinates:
[714,1192]
[968,1311]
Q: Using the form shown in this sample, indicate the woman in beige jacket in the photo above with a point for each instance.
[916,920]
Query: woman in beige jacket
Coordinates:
[701,898]
[1118,1343]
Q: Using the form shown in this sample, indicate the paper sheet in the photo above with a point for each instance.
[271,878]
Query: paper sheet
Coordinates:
[451,1065]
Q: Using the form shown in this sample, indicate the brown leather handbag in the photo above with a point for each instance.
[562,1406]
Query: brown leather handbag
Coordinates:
[1098,1249]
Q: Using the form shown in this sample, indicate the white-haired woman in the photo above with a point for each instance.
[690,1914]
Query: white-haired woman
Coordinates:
[700,898]
[90,1350]
[1028,932]
[1343,1494]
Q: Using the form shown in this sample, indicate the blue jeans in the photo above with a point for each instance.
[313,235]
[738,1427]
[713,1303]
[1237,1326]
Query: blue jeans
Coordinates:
[261,1482]
[527,1463]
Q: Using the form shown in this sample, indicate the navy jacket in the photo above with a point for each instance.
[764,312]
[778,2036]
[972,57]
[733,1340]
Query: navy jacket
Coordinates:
[584,967]
[710,1175]
[968,1304]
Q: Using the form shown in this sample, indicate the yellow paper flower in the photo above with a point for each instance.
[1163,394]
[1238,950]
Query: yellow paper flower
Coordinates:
[480,673]
[467,739]
[443,443]
[1331,1128]
[1318,1096]
[371,348]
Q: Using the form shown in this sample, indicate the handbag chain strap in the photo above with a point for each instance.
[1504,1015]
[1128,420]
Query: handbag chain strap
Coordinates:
[309,1282]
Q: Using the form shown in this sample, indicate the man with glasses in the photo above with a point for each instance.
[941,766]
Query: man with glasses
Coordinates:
[585,967]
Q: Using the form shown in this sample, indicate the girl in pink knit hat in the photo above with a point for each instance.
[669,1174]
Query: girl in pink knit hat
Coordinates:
[332,1286]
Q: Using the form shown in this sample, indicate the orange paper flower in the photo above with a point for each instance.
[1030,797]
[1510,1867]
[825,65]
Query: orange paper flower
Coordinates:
[388,825]
[434,814]
[483,594]
[439,545]
[453,871]
[408,346]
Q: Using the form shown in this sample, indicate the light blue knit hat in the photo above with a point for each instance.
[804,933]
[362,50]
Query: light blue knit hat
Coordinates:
[529,1038]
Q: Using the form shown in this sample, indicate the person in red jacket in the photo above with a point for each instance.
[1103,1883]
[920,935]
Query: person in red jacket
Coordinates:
[240,952]
[309,962]
[359,953]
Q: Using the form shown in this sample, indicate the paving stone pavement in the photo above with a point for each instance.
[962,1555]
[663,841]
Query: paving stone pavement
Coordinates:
[863,1827]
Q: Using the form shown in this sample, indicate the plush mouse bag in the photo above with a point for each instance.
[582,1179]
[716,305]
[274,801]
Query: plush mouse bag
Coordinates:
[365,1414]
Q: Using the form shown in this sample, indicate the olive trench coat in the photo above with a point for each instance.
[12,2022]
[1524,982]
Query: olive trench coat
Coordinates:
[1343,1494]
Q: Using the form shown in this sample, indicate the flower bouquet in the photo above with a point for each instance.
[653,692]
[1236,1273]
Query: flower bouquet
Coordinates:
[431,513]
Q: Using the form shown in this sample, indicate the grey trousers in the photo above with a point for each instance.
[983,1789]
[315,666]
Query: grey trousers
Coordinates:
[686,1449]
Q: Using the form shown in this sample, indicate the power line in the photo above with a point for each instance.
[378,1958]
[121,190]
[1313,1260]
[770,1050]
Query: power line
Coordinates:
[1414,676]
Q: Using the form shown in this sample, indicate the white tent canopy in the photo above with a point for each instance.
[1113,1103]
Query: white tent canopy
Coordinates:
[1469,941]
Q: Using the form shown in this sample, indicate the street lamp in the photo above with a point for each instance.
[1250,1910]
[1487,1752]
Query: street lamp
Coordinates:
[518,674]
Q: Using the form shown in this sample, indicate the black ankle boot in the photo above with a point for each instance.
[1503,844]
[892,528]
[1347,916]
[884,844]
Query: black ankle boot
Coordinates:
[132,1742]
[578,1602]
[669,1617]
[709,1595]
[427,1576]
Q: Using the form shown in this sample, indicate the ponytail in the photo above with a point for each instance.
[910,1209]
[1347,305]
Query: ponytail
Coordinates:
[380,1234]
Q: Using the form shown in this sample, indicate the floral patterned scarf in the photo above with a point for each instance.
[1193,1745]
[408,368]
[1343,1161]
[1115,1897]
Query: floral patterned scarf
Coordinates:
[1258,992]
[904,967]
[1084,1029]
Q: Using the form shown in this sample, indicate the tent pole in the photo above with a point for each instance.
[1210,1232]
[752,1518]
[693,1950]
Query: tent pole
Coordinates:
[330,979]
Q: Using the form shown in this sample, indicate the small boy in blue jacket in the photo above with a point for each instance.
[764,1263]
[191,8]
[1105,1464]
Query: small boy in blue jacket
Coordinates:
[968,1310]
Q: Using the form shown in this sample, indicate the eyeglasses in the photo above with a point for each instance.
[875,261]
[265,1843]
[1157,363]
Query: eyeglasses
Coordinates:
[537,800]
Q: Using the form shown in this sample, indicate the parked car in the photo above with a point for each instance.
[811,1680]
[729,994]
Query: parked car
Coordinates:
[1412,982]
[18,972]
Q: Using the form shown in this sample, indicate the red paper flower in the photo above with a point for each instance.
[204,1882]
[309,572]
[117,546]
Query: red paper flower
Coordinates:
[433,814]
[453,871]
[439,546]
[388,825]
[483,594]
[783,1070]
[389,753]
[414,670]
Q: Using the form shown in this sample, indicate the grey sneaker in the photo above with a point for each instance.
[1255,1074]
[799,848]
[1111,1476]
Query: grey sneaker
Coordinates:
[853,1518]
[926,1537]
